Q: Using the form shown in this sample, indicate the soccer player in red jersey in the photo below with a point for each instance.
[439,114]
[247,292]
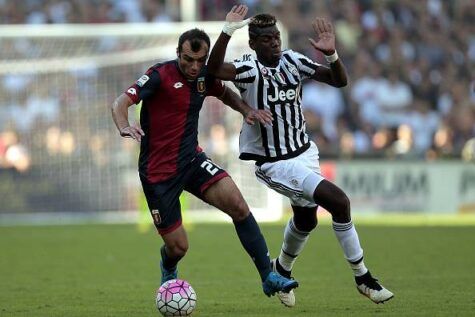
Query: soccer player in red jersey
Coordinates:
[171,160]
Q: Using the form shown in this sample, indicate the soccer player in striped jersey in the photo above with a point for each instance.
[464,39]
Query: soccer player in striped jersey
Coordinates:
[170,161]
[286,160]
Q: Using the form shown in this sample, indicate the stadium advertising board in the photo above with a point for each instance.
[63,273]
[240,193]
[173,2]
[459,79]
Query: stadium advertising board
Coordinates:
[375,186]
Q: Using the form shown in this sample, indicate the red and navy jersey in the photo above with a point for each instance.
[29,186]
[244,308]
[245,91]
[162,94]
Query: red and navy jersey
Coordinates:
[169,117]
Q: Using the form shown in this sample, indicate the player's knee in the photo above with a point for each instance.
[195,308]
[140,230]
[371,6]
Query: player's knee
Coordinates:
[306,226]
[240,209]
[342,209]
[345,204]
[305,218]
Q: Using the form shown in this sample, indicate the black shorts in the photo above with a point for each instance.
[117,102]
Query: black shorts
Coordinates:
[163,197]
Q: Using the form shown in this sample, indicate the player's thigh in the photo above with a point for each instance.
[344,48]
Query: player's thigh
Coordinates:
[164,204]
[295,178]
[202,174]
[212,184]
[226,196]
[287,177]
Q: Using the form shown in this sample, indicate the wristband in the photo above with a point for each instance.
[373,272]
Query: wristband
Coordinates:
[230,27]
[331,58]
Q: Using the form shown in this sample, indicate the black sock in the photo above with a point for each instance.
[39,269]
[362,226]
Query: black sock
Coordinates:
[281,270]
[253,241]
[168,262]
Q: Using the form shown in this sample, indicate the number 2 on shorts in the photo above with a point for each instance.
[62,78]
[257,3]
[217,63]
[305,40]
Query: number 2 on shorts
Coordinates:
[207,165]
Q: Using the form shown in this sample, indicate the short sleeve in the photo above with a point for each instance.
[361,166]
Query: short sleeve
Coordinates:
[305,65]
[246,71]
[145,86]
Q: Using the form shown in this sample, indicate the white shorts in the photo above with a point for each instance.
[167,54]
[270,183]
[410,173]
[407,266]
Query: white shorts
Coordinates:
[287,177]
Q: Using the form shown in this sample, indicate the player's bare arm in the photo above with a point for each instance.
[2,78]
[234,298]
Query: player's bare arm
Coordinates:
[250,115]
[216,65]
[121,118]
[325,42]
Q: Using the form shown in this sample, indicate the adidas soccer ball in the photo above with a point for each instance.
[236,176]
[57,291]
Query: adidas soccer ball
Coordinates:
[176,298]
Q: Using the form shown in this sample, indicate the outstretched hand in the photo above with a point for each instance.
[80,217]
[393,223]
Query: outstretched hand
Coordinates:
[325,36]
[135,133]
[263,116]
[235,19]
[237,13]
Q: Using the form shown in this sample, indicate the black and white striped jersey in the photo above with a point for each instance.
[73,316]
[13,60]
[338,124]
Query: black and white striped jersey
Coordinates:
[279,90]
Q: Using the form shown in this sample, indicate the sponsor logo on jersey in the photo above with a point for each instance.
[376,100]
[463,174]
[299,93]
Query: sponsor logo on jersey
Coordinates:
[200,85]
[282,95]
[132,91]
[178,85]
[142,80]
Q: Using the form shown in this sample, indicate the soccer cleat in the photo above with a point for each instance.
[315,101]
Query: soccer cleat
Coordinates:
[168,275]
[277,283]
[368,286]
[288,299]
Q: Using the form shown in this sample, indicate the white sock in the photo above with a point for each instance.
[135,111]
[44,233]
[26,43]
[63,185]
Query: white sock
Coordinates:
[350,243]
[292,246]
[359,268]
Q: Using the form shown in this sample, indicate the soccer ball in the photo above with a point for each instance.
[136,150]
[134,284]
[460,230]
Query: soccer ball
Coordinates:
[176,298]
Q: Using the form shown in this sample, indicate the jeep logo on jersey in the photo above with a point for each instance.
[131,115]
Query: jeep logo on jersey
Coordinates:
[282,95]
[142,80]
[200,86]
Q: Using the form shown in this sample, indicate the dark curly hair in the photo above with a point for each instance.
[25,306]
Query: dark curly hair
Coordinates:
[259,22]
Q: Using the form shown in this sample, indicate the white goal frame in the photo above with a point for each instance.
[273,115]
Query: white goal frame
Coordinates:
[46,65]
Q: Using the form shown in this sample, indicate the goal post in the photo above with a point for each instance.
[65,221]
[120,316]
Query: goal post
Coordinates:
[57,83]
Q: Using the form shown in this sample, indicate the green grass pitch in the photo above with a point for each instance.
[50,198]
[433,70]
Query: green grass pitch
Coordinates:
[112,270]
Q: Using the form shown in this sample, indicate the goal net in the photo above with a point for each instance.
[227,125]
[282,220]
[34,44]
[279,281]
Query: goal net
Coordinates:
[59,148]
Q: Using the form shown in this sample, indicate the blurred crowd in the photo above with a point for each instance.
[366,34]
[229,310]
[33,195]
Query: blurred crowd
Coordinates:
[411,66]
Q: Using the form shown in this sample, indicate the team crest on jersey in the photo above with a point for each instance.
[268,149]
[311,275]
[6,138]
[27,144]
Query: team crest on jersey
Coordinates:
[200,85]
[156,216]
